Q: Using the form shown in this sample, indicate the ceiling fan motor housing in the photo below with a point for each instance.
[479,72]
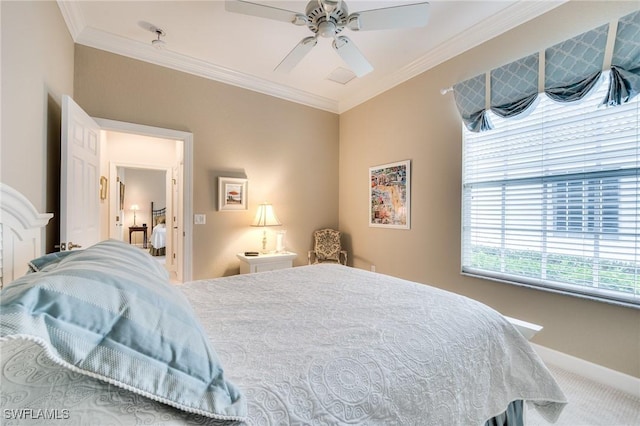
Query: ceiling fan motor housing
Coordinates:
[323,25]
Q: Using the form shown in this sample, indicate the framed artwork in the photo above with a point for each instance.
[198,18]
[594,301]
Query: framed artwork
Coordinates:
[121,196]
[390,195]
[232,193]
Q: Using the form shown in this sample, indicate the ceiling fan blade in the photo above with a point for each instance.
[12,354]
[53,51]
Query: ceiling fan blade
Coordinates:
[295,56]
[352,56]
[264,11]
[406,16]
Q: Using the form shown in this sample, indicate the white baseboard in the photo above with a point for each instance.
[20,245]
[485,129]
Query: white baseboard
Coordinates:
[595,372]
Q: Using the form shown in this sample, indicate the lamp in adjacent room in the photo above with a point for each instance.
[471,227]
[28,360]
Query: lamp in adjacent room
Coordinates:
[134,208]
[265,216]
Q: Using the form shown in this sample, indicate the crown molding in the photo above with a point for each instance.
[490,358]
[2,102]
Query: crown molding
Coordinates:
[73,17]
[499,23]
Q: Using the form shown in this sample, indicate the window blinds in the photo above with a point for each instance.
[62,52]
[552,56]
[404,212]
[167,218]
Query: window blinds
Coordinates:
[552,199]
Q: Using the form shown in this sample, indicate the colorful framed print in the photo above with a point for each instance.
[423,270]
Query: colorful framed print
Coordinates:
[390,195]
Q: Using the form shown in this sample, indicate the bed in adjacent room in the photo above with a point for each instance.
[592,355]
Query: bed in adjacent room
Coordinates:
[158,239]
[100,336]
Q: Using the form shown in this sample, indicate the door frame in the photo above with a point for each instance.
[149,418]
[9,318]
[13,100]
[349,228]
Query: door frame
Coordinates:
[187,179]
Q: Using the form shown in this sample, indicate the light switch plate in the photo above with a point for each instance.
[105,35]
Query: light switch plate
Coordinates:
[199,219]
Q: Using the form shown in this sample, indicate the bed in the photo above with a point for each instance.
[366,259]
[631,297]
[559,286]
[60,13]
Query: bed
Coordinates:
[158,239]
[318,344]
[21,233]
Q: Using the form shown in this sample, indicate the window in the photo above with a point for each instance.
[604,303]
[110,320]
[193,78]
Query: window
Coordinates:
[586,206]
[552,199]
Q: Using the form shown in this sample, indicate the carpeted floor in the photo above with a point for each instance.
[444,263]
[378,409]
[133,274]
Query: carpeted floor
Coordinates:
[590,404]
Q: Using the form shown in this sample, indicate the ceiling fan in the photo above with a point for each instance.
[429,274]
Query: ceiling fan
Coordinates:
[327,18]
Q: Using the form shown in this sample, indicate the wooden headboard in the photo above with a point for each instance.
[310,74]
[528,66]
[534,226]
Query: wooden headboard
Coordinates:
[21,233]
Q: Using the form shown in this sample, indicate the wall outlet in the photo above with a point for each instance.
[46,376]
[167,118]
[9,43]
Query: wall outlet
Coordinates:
[199,219]
[373,268]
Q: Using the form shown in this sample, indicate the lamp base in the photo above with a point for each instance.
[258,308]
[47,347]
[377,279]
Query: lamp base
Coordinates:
[264,242]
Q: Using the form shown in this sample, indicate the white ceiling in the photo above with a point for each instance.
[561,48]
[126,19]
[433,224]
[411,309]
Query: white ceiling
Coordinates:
[202,38]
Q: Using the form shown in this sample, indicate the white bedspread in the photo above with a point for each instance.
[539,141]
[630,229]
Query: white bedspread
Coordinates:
[327,344]
[322,345]
[159,236]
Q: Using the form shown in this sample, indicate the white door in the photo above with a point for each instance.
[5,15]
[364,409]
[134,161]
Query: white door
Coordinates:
[79,178]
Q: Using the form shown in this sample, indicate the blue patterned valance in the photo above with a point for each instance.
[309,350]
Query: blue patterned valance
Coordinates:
[570,70]
[514,86]
[470,96]
[624,82]
[573,66]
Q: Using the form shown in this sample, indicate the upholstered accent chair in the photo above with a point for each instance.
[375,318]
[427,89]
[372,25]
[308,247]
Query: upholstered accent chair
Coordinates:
[327,248]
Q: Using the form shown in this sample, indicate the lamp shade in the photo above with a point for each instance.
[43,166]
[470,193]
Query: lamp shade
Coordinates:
[265,216]
[135,207]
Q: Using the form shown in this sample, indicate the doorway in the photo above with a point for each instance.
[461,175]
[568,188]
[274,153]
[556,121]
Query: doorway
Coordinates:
[145,214]
[171,153]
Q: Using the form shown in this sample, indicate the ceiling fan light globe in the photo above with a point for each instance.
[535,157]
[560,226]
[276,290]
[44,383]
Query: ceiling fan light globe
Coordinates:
[327,29]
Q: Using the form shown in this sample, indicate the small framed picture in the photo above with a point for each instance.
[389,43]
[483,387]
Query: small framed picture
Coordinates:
[232,193]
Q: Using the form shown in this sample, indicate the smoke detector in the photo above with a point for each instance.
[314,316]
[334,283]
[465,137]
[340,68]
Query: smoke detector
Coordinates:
[158,43]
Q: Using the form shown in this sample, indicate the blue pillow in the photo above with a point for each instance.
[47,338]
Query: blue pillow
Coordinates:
[48,260]
[109,312]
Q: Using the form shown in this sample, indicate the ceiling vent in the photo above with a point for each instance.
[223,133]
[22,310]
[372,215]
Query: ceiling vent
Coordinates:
[341,76]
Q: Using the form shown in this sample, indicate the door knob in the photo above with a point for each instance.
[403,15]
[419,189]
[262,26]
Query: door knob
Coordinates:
[71,246]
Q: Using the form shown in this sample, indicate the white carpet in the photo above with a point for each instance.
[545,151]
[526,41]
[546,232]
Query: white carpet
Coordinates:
[590,404]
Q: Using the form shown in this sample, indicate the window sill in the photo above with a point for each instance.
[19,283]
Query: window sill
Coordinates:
[538,285]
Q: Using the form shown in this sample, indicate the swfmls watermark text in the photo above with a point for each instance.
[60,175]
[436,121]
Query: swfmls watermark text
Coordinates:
[35,414]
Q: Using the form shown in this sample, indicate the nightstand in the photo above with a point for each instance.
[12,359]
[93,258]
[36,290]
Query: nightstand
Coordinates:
[142,229]
[265,262]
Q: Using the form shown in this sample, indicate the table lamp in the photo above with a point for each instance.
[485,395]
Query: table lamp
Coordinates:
[135,208]
[265,216]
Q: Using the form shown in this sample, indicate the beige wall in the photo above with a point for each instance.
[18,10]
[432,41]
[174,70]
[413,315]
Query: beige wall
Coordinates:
[37,69]
[414,121]
[288,152]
